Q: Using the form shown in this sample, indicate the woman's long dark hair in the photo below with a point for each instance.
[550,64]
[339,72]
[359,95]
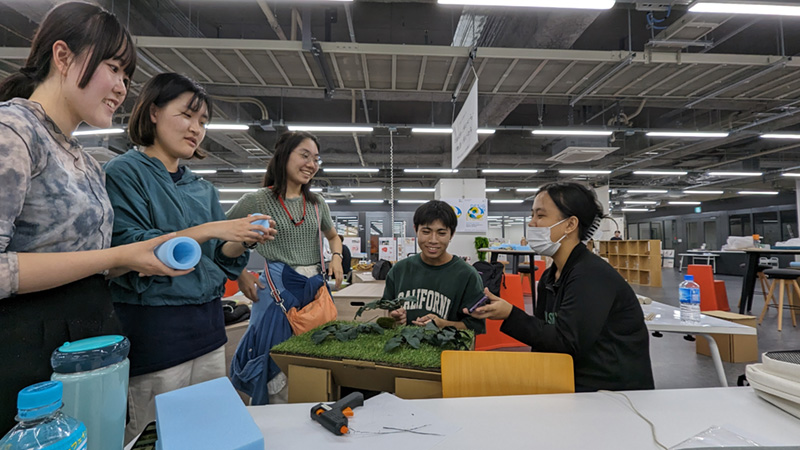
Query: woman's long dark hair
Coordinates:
[84,28]
[276,170]
[574,199]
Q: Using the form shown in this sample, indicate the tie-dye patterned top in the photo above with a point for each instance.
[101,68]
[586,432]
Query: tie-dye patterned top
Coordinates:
[52,195]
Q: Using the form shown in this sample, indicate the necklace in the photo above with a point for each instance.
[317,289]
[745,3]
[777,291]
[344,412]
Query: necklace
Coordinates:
[302,219]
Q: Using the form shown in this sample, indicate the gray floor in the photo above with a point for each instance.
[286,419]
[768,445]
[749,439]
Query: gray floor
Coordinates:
[675,363]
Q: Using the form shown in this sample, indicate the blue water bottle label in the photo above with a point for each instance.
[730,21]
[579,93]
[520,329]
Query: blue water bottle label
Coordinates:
[76,441]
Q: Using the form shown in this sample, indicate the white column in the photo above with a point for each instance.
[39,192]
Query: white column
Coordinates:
[607,227]
[463,244]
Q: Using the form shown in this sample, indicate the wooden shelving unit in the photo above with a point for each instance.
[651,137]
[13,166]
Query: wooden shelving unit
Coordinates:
[639,262]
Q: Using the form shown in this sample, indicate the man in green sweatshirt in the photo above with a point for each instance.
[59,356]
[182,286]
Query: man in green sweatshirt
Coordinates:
[438,285]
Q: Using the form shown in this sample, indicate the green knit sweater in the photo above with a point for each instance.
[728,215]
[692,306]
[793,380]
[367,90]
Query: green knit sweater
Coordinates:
[294,245]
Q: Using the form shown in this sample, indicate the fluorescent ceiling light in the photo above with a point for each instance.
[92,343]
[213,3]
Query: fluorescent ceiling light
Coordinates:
[350,170]
[330,201]
[430,170]
[432,130]
[635,210]
[506,201]
[316,189]
[570,4]
[660,172]
[230,202]
[254,170]
[417,189]
[647,191]
[99,131]
[509,171]
[735,174]
[585,172]
[366,201]
[634,202]
[205,171]
[486,131]
[704,192]
[789,174]
[758,192]
[685,203]
[362,189]
[492,189]
[687,134]
[556,132]
[745,8]
[239,190]
[413,201]
[527,189]
[780,136]
[330,129]
[227,126]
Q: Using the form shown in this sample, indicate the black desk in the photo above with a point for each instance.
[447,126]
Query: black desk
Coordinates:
[514,254]
[749,282]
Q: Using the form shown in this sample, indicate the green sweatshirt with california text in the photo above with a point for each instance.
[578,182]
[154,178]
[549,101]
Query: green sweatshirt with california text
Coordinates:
[442,290]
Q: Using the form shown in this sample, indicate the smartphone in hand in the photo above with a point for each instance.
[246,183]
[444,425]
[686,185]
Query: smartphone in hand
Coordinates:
[478,304]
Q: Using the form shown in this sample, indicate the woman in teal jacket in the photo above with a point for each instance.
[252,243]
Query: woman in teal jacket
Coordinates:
[175,325]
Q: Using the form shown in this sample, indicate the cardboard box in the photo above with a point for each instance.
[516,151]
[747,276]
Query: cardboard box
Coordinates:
[322,384]
[732,348]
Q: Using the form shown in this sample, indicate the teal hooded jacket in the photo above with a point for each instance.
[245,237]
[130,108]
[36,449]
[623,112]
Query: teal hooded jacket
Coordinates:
[148,204]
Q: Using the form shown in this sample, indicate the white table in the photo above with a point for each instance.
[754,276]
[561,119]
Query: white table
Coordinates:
[710,258]
[668,320]
[563,421]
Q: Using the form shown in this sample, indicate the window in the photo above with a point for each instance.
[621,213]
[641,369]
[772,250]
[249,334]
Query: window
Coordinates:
[692,235]
[633,231]
[670,234]
[644,231]
[656,230]
[710,234]
[767,226]
[346,225]
[740,225]
[789,225]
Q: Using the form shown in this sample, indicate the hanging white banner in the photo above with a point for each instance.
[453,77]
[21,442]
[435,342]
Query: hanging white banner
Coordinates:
[465,128]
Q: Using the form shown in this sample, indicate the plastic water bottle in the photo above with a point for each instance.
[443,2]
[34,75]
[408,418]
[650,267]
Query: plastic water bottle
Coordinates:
[690,300]
[42,425]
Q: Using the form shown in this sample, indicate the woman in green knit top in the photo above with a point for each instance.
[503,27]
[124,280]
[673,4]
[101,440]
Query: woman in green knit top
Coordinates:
[287,198]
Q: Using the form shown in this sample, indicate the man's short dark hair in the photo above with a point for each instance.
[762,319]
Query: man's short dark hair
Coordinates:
[436,210]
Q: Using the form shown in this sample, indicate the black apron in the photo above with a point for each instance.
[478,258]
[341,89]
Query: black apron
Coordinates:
[33,325]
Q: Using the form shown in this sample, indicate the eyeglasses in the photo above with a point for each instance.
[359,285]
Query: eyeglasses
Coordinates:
[308,157]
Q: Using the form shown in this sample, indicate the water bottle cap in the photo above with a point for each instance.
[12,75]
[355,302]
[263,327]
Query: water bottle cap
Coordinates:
[39,400]
[688,278]
[90,354]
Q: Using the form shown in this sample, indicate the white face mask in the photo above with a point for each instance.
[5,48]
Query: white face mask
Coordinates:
[539,240]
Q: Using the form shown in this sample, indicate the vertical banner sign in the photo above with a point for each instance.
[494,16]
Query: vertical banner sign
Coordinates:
[472,214]
[353,243]
[465,128]
[387,249]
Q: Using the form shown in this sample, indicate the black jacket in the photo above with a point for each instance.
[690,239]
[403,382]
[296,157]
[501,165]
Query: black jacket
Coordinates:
[592,314]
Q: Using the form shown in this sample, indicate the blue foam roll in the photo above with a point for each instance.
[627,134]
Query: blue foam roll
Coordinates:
[263,222]
[206,416]
[179,253]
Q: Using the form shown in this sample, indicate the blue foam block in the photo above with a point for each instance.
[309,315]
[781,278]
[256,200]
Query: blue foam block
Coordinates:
[206,416]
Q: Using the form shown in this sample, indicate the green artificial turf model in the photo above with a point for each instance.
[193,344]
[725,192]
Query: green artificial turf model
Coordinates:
[370,347]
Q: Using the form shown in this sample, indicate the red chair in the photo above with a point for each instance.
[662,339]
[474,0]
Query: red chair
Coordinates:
[540,269]
[721,295]
[704,276]
[511,291]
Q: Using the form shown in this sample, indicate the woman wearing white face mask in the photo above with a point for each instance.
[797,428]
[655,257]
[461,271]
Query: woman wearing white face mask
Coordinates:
[584,307]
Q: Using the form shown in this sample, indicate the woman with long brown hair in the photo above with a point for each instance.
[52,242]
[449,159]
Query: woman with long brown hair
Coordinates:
[55,215]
